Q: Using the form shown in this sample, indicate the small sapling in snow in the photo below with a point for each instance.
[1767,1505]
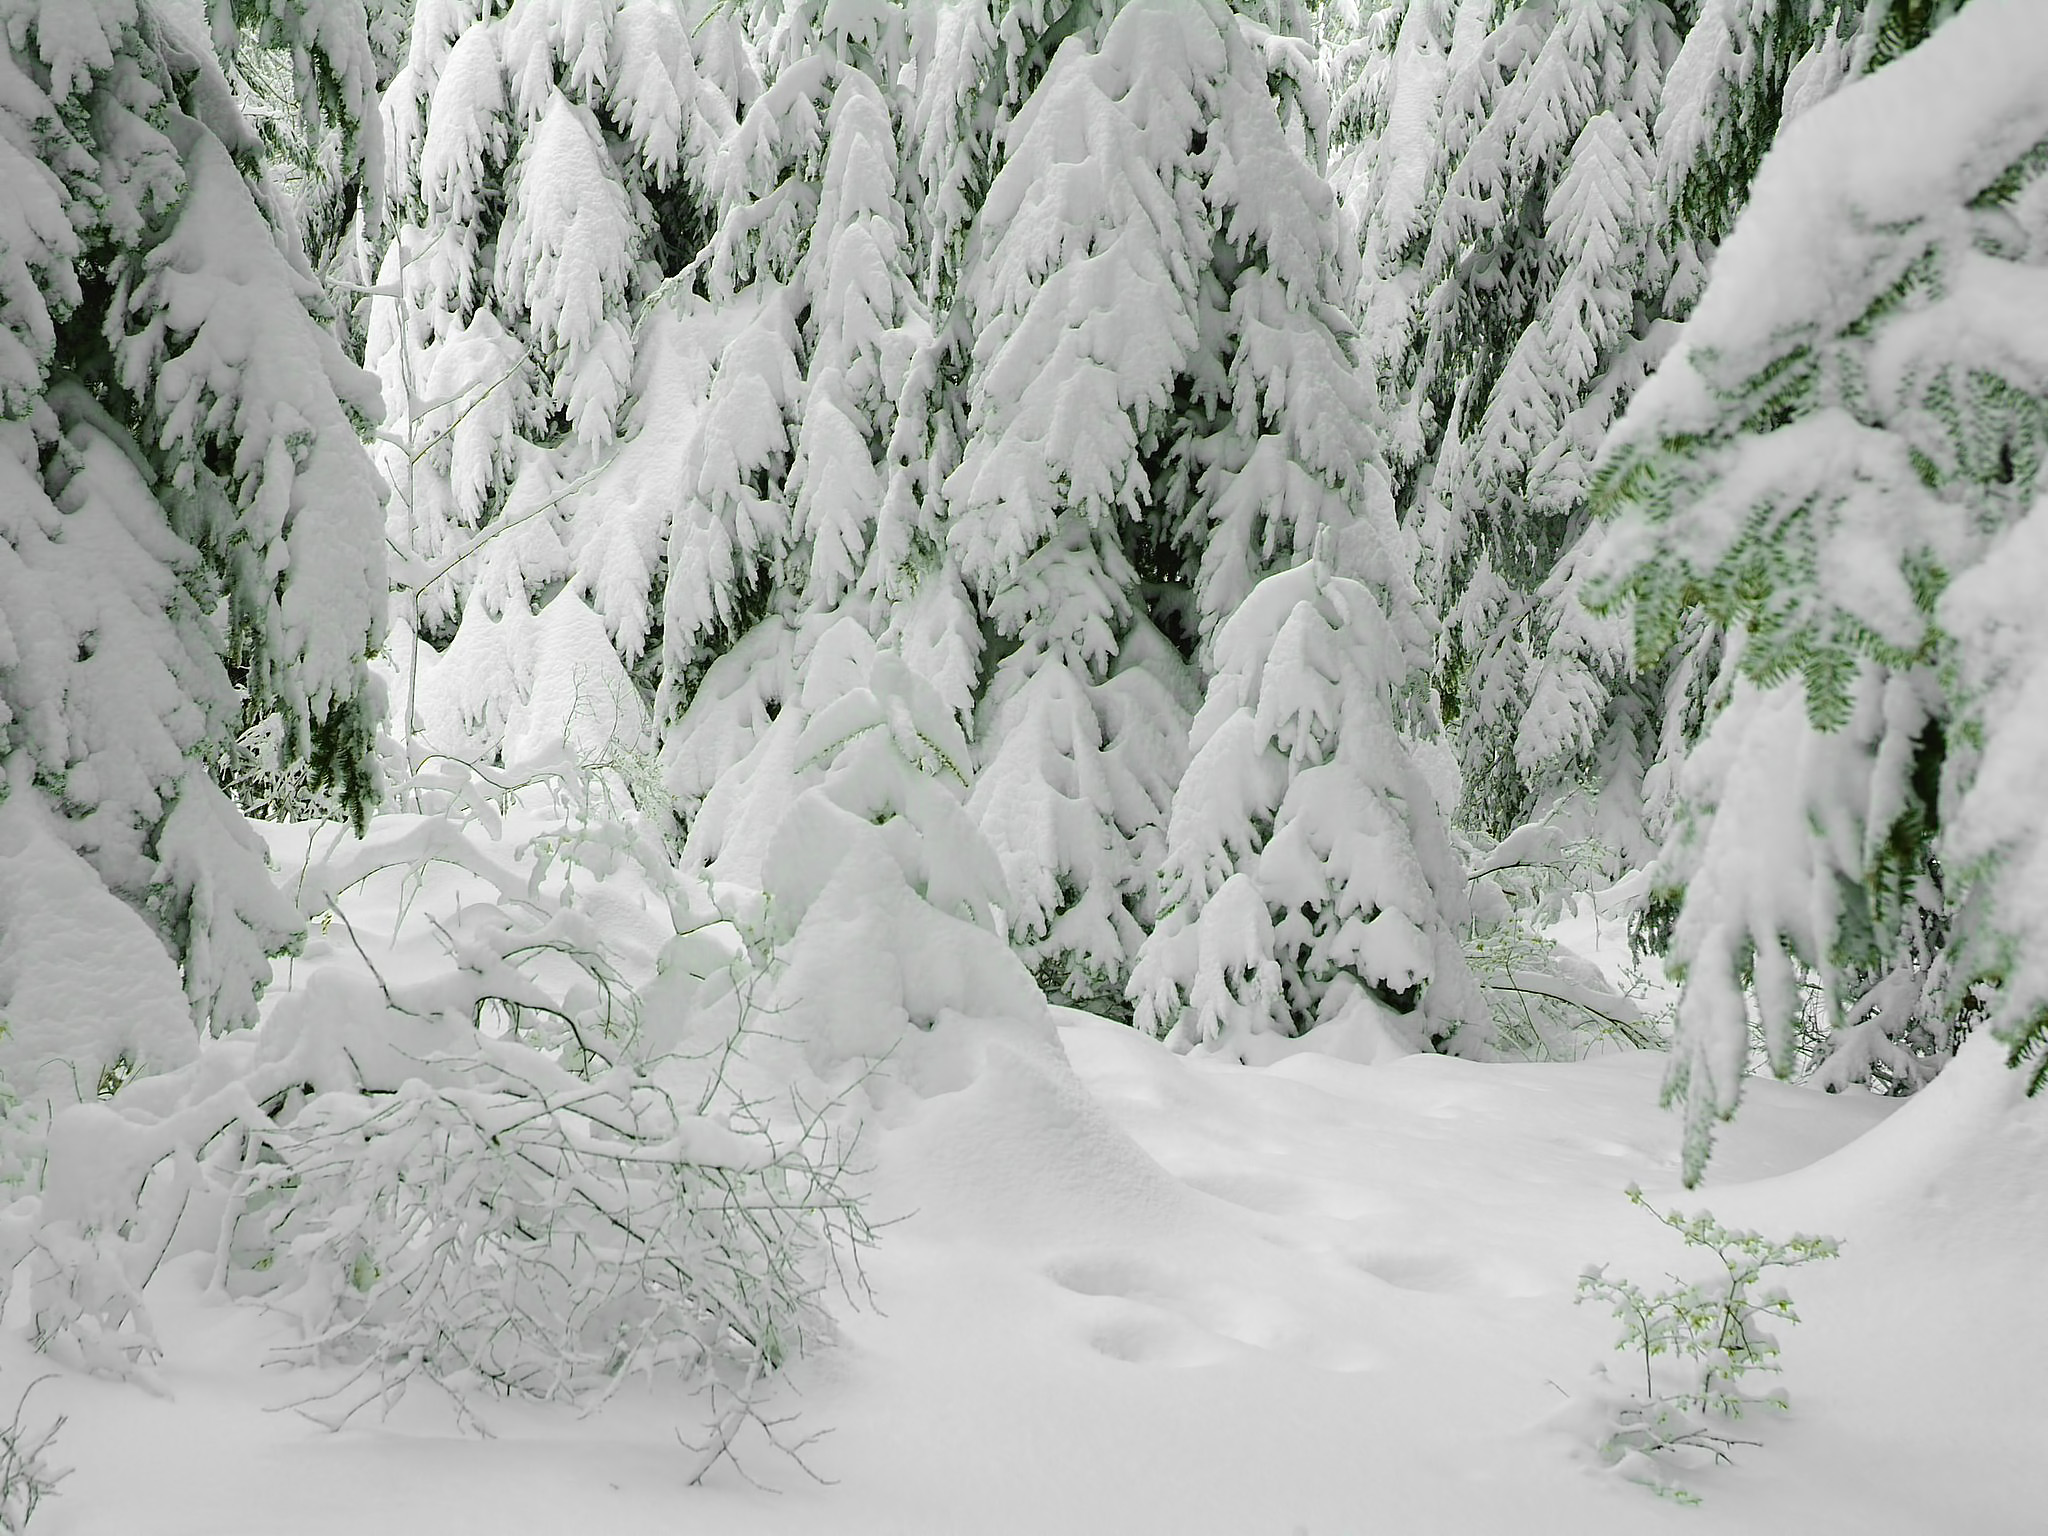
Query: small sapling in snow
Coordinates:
[1699,1343]
[26,1476]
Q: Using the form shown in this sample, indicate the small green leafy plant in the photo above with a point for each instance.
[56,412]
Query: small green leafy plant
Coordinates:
[26,1475]
[1700,1345]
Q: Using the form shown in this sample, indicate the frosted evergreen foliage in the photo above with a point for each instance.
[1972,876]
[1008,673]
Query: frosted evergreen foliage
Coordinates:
[1745,70]
[727,537]
[881,893]
[1196,433]
[868,326]
[844,830]
[551,164]
[740,697]
[1500,165]
[754,470]
[326,174]
[1285,442]
[1049,472]
[1072,794]
[525,687]
[735,755]
[1309,876]
[1097,198]
[1842,468]
[974,65]
[188,527]
[773,167]
[1391,64]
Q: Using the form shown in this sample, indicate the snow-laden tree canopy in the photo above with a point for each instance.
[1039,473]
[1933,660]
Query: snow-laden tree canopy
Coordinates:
[1841,467]
[1302,493]
[189,526]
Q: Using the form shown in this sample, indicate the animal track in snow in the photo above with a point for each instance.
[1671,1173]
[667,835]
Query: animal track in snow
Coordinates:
[1146,1336]
[1149,1315]
[1110,1274]
[1431,1272]
[1284,1195]
[1417,1269]
[1138,1313]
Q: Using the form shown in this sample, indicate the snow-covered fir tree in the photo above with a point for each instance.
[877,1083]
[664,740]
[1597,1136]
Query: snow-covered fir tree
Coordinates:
[1842,467]
[881,894]
[1162,407]
[1309,875]
[1516,289]
[798,411]
[550,166]
[737,523]
[189,527]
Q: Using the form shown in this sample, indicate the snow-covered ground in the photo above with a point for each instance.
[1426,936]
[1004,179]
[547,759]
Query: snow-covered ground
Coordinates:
[1127,1291]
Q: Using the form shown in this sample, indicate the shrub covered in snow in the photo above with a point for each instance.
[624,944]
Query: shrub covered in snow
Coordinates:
[27,1477]
[504,1155]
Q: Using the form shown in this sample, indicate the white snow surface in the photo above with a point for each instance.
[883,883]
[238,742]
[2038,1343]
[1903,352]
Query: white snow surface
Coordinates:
[1128,1291]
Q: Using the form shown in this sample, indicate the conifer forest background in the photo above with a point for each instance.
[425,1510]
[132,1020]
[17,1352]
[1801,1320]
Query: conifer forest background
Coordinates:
[705,702]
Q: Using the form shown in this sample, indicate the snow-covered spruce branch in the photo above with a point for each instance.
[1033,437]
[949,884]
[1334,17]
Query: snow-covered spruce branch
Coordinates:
[414,581]
[482,394]
[1548,1003]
